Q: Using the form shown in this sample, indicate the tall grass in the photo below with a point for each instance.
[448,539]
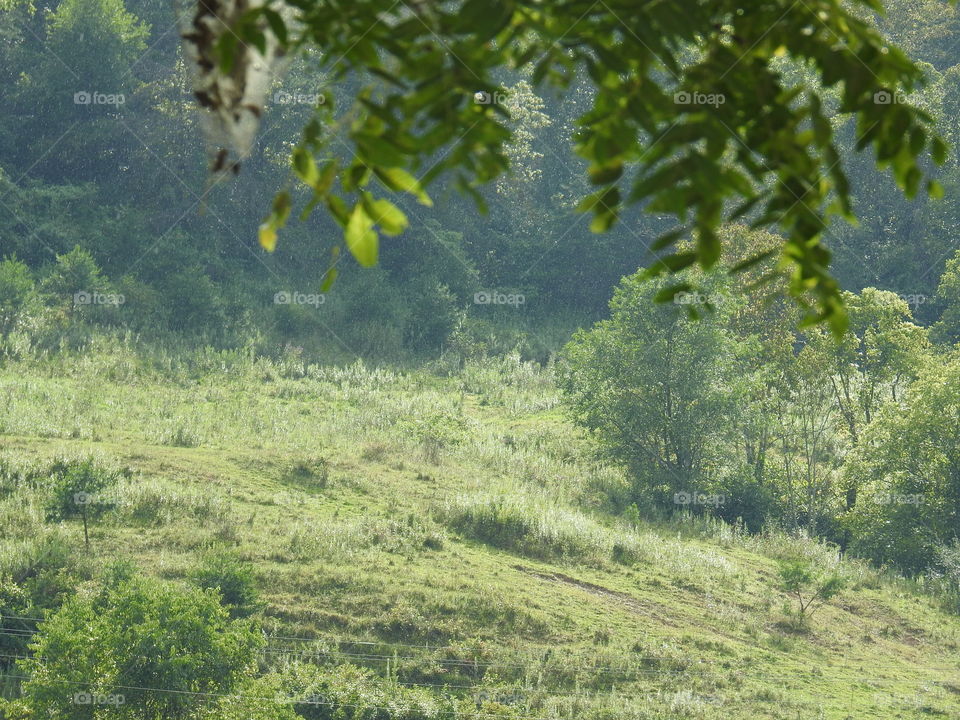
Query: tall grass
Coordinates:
[538,526]
[474,423]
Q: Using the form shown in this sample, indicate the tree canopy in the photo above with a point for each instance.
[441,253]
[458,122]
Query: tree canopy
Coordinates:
[693,113]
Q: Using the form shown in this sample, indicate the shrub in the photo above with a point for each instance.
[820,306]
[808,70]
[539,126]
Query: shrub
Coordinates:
[312,473]
[437,431]
[812,587]
[33,561]
[746,500]
[259,698]
[74,272]
[36,574]
[947,574]
[128,639]
[232,579]
[433,317]
[194,302]
[14,604]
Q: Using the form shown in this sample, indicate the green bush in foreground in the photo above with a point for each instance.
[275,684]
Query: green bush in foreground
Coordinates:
[114,649]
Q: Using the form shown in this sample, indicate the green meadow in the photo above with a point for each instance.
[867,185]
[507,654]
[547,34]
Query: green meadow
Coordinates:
[444,536]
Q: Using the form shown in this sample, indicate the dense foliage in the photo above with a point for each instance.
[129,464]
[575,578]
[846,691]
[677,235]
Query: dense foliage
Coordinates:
[852,440]
[108,175]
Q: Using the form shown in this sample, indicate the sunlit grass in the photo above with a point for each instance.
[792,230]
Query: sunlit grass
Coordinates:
[455,509]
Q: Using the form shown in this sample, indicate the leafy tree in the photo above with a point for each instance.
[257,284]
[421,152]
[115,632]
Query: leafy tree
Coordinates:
[805,429]
[79,488]
[75,272]
[928,28]
[233,579]
[811,587]
[650,383]
[40,221]
[947,329]
[909,468]
[153,647]
[689,99]
[87,54]
[877,356]
[765,327]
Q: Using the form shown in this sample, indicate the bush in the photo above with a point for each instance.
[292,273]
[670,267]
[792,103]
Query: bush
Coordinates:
[232,579]
[194,302]
[746,500]
[310,473]
[259,698]
[14,604]
[433,317]
[811,586]
[74,272]
[126,640]
[947,571]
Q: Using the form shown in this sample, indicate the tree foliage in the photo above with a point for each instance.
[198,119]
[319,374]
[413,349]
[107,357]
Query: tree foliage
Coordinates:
[156,649]
[812,587]
[909,467]
[690,113]
[650,382]
[742,416]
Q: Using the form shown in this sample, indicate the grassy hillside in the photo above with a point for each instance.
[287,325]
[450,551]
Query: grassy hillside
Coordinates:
[449,530]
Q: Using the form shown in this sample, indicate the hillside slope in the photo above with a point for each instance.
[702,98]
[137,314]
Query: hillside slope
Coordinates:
[449,532]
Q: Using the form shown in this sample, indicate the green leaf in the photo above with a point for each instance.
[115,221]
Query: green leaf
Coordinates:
[305,167]
[670,292]
[282,204]
[602,222]
[668,239]
[750,262]
[328,279]
[276,23]
[338,209]
[268,237]
[939,150]
[257,39]
[362,240]
[226,50]
[267,233]
[674,263]
[399,180]
[385,214]
[606,174]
